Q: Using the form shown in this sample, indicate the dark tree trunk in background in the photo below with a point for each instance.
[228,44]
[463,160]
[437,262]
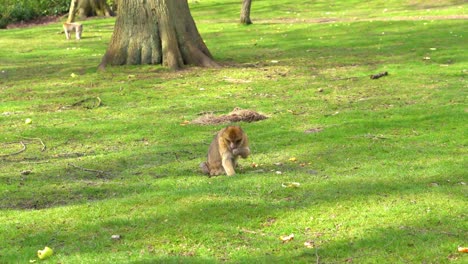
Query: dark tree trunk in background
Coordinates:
[88,8]
[156,32]
[245,12]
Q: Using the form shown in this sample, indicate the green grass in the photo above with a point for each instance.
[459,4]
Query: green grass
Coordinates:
[384,182]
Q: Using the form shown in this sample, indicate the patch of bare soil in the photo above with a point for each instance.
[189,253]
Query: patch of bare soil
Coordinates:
[36,22]
[237,115]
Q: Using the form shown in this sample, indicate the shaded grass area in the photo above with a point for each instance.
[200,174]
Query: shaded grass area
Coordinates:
[382,181]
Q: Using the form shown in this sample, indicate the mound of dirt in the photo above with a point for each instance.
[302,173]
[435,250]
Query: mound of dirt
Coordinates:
[237,115]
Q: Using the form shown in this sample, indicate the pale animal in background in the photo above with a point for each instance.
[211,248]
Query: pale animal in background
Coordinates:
[226,147]
[73,27]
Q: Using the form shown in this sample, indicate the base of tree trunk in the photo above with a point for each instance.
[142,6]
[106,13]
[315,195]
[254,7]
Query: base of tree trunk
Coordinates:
[245,12]
[88,8]
[156,32]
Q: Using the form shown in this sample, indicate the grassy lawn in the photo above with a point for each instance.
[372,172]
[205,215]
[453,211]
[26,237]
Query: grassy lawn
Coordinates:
[381,163]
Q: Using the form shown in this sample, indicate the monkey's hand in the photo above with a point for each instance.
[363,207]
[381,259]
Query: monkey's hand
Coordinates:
[243,152]
[236,152]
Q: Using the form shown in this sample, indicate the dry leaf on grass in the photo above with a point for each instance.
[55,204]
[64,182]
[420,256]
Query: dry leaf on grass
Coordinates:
[309,244]
[286,239]
[463,249]
[290,184]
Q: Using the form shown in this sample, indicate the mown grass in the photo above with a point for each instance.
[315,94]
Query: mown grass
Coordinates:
[383,182]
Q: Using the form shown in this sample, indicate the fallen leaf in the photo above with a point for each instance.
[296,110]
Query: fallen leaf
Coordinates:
[186,122]
[286,239]
[463,249]
[254,165]
[293,159]
[290,185]
[309,244]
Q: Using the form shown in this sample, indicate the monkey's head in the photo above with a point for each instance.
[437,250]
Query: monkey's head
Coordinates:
[234,136]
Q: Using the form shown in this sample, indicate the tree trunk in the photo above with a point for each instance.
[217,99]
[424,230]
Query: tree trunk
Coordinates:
[72,12]
[156,32]
[89,8]
[245,12]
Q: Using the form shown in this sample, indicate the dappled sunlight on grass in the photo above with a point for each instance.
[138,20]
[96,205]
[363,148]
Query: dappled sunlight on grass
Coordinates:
[380,163]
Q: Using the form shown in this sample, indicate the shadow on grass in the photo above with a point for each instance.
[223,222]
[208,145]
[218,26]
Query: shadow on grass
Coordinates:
[377,42]
[115,172]
[215,221]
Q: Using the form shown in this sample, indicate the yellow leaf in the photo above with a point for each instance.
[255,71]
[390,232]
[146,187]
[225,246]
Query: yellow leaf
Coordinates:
[463,249]
[309,244]
[290,185]
[286,239]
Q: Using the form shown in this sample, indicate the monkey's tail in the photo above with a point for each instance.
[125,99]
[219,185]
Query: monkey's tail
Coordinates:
[204,168]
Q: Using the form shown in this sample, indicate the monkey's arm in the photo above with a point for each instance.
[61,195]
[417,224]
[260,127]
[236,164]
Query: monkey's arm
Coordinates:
[228,163]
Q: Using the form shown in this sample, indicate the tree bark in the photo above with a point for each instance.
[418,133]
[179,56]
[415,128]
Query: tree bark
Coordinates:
[89,8]
[72,12]
[245,12]
[156,32]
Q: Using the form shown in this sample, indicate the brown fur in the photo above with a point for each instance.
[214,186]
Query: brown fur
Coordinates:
[226,147]
[73,27]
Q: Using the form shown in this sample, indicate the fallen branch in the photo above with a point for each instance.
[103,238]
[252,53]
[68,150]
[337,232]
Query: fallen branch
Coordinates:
[99,172]
[88,103]
[378,75]
[17,152]
[40,140]
[317,257]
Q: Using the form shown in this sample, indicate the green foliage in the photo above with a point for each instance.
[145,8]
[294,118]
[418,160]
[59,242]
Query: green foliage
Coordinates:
[26,10]
[383,173]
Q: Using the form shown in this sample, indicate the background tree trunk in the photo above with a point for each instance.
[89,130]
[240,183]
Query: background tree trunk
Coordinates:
[156,32]
[89,8]
[245,12]
[72,12]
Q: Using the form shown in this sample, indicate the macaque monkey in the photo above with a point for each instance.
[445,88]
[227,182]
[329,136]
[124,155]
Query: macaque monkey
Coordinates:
[70,27]
[226,147]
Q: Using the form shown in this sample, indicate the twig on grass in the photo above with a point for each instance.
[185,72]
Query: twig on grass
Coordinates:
[40,140]
[81,102]
[317,257]
[99,172]
[378,75]
[17,152]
